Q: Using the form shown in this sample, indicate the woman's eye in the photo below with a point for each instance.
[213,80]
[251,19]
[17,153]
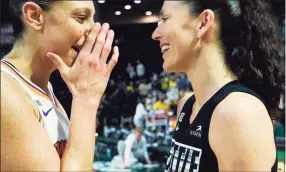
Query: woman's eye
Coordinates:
[81,18]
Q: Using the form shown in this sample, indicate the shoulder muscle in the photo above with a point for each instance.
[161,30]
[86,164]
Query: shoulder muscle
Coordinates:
[24,143]
[241,134]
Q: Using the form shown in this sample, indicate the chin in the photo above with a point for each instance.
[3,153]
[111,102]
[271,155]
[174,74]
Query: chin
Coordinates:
[169,68]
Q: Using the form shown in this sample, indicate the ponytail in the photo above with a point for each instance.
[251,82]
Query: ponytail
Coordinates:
[249,35]
[258,60]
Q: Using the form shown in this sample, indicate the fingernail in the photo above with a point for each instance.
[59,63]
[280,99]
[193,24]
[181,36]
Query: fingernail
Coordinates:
[97,24]
[111,32]
[105,26]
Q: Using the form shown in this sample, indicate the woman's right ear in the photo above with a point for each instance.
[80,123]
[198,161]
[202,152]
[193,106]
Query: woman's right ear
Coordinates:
[206,21]
[33,15]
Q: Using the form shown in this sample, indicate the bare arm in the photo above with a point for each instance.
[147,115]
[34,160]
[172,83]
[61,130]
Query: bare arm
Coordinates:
[87,80]
[242,137]
[24,139]
[25,145]
[79,152]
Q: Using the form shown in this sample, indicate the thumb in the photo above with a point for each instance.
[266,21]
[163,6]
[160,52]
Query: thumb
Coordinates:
[57,60]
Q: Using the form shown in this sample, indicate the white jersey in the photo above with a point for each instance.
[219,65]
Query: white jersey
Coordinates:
[51,114]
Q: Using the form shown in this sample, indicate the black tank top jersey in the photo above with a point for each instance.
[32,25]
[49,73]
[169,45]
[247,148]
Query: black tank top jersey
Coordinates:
[190,148]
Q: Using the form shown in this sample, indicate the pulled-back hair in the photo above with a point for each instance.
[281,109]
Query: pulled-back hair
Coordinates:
[249,36]
[16,7]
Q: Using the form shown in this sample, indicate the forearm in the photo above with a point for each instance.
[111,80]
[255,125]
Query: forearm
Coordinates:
[79,152]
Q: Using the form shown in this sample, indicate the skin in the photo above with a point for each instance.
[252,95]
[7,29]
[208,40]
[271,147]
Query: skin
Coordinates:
[195,51]
[36,55]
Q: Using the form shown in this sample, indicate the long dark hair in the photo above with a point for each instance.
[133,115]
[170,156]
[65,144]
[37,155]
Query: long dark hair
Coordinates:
[250,38]
[16,7]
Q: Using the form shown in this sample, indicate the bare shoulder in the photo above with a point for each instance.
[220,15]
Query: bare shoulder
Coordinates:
[238,107]
[13,96]
[21,147]
[245,130]
[242,112]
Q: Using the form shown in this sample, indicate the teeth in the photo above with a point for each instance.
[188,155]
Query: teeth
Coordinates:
[164,48]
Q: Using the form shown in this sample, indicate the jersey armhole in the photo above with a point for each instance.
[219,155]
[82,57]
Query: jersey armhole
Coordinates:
[36,110]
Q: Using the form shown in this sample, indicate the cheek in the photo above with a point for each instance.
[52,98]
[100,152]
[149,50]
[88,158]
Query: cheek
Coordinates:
[65,35]
[185,42]
[72,32]
[181,52]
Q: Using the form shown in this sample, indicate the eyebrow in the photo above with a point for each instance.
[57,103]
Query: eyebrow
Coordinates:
[87,10]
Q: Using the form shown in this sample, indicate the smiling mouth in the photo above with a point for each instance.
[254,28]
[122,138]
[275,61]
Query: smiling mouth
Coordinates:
[165,48]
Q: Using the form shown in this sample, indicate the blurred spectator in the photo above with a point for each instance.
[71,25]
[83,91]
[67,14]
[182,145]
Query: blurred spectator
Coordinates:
[173,95]
[155,81]
[140,69]
[182,82]
[149,102]
[161,93]
[154,96]
[135,149]
[165,83]
[130,71]
[160,104]
[130,87]
[143,88]
[172,82]
[140,114]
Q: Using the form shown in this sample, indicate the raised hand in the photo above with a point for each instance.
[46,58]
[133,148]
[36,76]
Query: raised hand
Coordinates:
[88,77]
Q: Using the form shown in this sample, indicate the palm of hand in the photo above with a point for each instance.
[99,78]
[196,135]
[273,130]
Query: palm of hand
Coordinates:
[89,75]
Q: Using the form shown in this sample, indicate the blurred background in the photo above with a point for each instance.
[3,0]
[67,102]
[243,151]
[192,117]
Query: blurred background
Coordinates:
[138,83]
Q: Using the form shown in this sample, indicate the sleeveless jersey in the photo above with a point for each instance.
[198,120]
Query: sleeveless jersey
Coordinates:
[50,113]
[190,148]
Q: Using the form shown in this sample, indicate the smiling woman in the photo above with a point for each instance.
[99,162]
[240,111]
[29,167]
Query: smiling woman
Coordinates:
[35,132]
[230,51]
[66,24]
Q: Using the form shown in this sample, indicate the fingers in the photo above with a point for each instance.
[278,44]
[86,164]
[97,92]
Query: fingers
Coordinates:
[100,41]
[90,40]
[107,47]
[57,60]
[112,62]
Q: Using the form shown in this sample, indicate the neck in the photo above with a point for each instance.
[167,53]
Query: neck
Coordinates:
[31,62]
[208,74]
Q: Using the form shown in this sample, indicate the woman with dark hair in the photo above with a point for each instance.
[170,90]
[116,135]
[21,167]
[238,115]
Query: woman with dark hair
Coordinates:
[230,51]
[35,132]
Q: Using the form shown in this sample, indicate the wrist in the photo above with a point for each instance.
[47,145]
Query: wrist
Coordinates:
[88,102]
